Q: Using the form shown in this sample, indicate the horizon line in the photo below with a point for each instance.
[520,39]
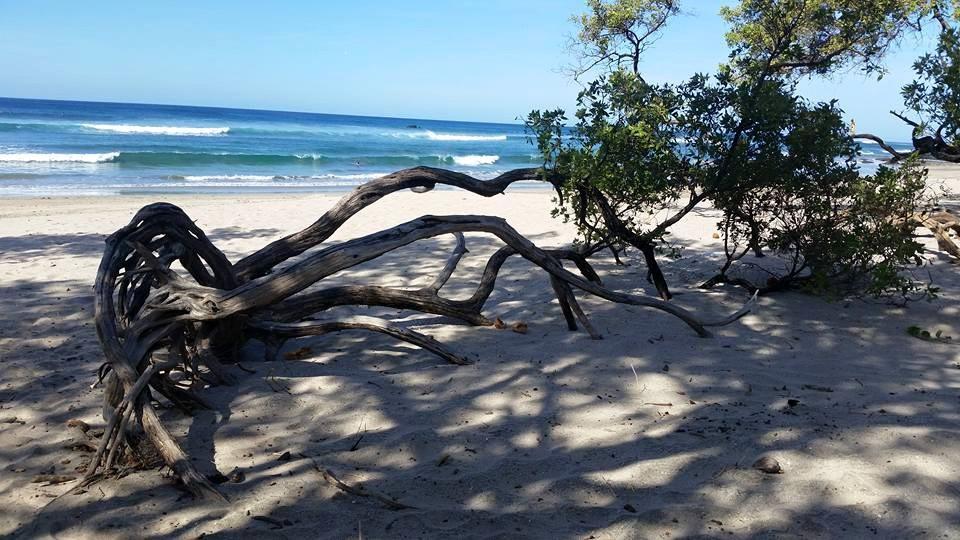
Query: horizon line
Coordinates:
[283,111]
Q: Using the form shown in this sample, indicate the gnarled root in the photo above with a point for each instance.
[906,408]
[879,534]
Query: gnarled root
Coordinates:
[172,311]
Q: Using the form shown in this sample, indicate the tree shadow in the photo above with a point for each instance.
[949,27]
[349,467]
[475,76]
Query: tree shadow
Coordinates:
[648,433]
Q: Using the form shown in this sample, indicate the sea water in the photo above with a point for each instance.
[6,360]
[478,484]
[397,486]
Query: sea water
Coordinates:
[85,148]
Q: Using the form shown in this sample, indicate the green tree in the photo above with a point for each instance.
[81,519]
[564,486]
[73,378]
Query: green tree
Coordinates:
[614,35]
[641,156]
[935,95]
[932,99]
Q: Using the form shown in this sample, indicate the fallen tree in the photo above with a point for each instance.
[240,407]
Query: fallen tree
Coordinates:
[930,146]
[172,310]
[933,97]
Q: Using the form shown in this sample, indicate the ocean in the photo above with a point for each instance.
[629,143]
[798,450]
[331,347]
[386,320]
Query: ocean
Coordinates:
[50,148]
[84,148]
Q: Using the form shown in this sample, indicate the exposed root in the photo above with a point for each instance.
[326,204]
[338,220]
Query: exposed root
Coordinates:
[172,311]
[372,324]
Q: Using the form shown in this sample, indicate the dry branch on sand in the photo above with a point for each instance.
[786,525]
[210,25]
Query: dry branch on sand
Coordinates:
[169,332]
[940,223]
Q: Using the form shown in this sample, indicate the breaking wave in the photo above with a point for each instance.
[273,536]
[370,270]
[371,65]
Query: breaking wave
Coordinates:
[128,129]
[59,158]
[456,137]
[474,161]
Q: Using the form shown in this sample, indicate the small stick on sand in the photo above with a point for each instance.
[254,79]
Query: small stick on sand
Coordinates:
[332,479]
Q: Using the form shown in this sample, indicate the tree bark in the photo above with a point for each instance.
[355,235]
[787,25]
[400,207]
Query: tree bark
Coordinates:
[161,328]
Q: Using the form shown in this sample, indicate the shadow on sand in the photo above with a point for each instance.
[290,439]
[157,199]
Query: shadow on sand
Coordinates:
[649,432]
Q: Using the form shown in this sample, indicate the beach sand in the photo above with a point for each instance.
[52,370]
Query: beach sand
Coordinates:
[647,433]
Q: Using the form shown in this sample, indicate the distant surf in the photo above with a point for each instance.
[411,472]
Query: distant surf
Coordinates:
[473,161]
[159,130]
[464,138]
[58,158]
[323,179]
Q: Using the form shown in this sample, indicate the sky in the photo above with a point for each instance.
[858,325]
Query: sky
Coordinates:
[483,60]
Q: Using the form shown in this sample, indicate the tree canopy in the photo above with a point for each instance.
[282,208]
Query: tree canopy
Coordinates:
[642,155]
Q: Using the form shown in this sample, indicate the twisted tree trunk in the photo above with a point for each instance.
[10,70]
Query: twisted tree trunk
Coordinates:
[171,331]
[934,146]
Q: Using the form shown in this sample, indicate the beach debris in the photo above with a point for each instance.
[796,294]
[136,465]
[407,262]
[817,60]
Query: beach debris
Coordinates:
[235,476]
[520,328]
[925,335]
[79,446]
[79,424]
[360,491]
[793,402]
[816,388]
[284,457]
[276,384]
[361,432]
[443,460]
[276,523]
[499,324]
[630,508]
[715,235]
[299,354]
[53,479]
[768,465]
[12,420]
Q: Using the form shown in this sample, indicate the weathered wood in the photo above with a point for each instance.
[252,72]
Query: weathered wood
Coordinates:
[939,224]
[894,154]
[154,320]
[372,324]
[419,179]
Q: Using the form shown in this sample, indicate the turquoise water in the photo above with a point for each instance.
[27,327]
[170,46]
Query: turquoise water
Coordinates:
[83,148]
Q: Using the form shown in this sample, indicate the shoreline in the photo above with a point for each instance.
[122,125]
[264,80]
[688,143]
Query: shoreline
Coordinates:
[942,174]
[214,191]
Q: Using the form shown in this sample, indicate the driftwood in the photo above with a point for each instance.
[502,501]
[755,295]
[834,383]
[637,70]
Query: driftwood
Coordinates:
[940,223]
[923,145]
[172,310]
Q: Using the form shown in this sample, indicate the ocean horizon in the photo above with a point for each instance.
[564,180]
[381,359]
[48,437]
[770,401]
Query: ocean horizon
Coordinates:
[82,148]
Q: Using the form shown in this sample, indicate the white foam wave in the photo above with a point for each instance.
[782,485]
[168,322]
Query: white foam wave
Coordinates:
[352,177]
[129,129]
[292,180]
[229,178]
[474,161]
[58,158]
[456,137]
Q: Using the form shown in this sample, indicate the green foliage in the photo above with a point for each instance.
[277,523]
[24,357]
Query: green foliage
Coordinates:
[615,33]
[935,94]
[641,156]
[851,235]
[803,36]
[621,154]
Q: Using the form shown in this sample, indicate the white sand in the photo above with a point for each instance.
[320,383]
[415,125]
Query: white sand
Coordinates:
[549,435]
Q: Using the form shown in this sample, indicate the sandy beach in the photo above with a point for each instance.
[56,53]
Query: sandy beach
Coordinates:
[648,433]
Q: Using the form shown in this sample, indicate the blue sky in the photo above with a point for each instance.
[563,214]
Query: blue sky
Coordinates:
[489,60]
